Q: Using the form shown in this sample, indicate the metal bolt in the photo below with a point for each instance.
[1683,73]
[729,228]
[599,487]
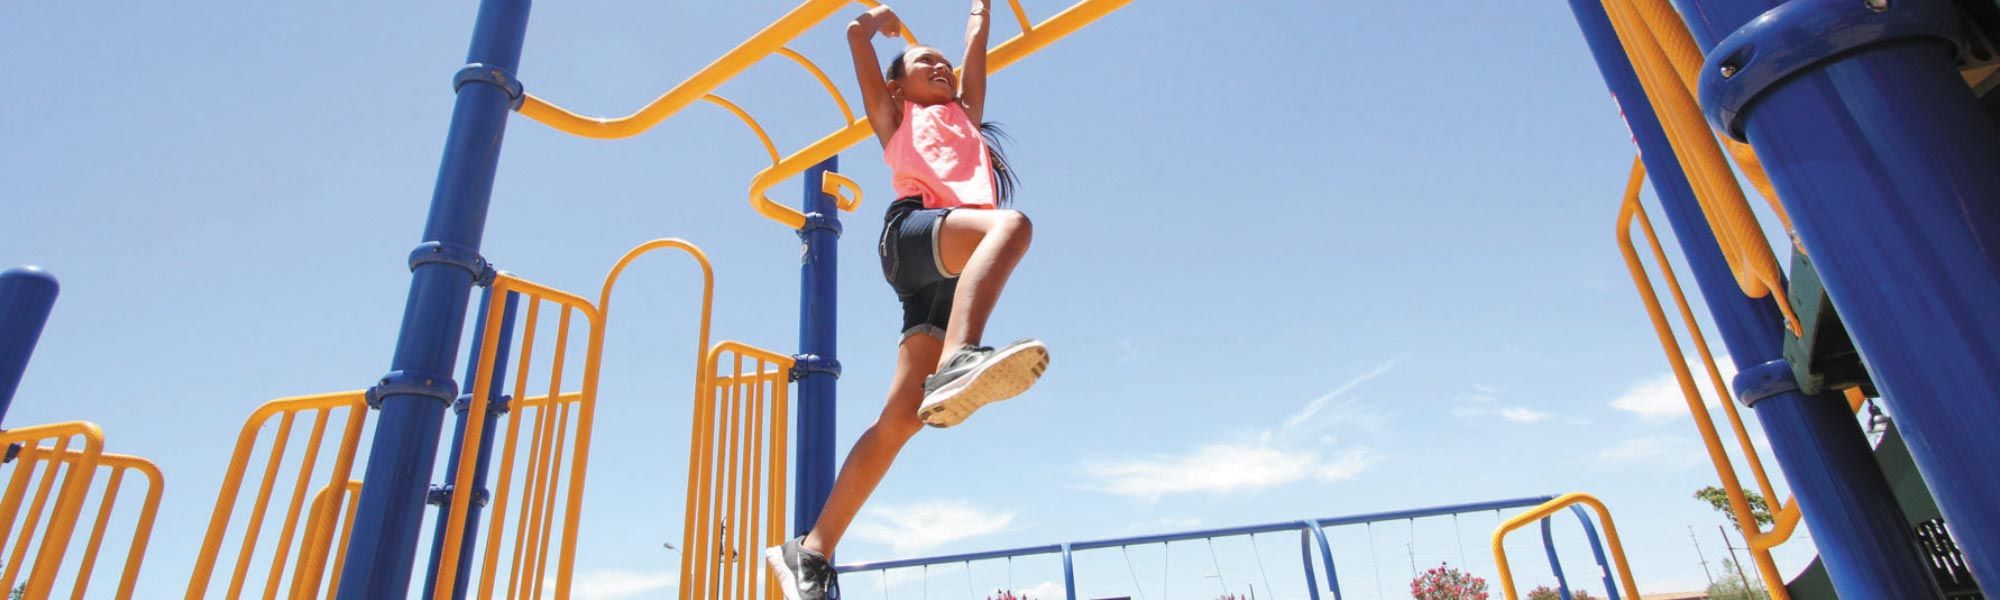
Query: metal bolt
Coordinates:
[1877,5]
[1729,71]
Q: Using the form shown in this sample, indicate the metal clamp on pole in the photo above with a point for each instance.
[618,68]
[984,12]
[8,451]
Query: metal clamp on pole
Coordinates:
[456,255]
[433,385]
[816,221]
[1801,34]
[495,76]
[1764,381]
[496,405]
[440,495]
[807,364]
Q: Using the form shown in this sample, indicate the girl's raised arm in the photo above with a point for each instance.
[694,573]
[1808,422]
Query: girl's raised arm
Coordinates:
[883,112]
[972,83]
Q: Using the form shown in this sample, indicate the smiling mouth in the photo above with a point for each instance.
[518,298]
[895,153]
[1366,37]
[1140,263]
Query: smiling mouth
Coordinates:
[941,80]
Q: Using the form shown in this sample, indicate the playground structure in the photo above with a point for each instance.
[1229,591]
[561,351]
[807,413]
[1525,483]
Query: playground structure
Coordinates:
[1894,198]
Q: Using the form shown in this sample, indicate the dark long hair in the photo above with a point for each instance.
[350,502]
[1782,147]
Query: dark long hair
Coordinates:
[1004,180]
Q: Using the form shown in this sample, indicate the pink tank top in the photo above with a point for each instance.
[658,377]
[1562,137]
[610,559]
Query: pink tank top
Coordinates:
[937,154]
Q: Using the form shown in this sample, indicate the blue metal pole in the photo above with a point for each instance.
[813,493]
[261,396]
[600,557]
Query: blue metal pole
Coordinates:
[413,396]
[1890,171]
[818,368]
[1844,497]
[1069,574]
[1555,563]
[26,296]
[1306,556]
[1327,557]
[1597,552]
[496,405]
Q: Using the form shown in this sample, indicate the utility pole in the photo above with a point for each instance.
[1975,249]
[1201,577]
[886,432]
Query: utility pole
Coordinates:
[1732,557]
[1698,554]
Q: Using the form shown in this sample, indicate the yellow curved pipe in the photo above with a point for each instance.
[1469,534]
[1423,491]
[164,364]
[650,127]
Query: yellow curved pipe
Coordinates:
[846,114]
[1549,508]
[755,127]
[1736,229]
[701,375]
[764,43]
[1020,16]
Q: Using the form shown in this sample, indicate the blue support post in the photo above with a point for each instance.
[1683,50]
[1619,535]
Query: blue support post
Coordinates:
[817,368]
[413,396]
[1326,557]
[1597,552]
[1890,171]
[1306,556]
[1069,574]
[1555,562]
[1844,497]
[497,403]
[27,294]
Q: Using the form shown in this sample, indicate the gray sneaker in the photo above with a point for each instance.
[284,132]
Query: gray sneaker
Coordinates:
[802,574]
[976,376]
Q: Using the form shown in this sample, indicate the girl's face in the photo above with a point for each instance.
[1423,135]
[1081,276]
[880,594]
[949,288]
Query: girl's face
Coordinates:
[927,78]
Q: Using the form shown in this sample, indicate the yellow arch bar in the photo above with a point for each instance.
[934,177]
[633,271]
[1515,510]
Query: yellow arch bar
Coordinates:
[1549,508]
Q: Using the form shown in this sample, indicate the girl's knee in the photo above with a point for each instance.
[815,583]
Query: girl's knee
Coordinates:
[1019,229]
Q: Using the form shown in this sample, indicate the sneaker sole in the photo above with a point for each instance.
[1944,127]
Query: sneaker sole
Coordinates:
[1004,377]
[788,582]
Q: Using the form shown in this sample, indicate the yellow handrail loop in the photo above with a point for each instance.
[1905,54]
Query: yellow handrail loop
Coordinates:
[1549,508]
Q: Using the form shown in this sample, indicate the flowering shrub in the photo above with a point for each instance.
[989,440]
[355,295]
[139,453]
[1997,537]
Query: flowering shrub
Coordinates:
[1006,595]
[1549,593]
[1445,582]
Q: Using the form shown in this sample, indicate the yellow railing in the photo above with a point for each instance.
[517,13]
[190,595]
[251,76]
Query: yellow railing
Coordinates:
[326,511]
[142,531]
[740,432]
[1785,514]
[49,528]
[1642,25]
[311,545]
[541,485]
[771,40]
[539,490]
[1542,512]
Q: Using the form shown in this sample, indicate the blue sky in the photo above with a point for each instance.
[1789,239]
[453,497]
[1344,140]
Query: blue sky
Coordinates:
[1292,259]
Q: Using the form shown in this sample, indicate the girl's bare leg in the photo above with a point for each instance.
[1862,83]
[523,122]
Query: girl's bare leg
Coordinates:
[982,246]
[916,359]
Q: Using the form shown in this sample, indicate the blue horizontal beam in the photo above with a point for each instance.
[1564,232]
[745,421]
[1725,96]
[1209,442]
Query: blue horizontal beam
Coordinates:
[1395,515]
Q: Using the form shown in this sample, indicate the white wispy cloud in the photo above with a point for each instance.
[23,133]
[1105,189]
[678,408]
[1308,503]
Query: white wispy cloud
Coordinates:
[1660,398]
[613,584]
[1298,449]
[1318,404]
[1485,402]
[1224,467]
[1047,590]
[911,529]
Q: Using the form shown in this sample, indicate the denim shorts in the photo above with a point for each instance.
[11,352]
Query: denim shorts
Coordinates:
[910,261]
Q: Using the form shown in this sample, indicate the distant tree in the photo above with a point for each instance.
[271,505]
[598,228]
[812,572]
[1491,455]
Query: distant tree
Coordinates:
[1730,585]
[1445,582]
[1718,499]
